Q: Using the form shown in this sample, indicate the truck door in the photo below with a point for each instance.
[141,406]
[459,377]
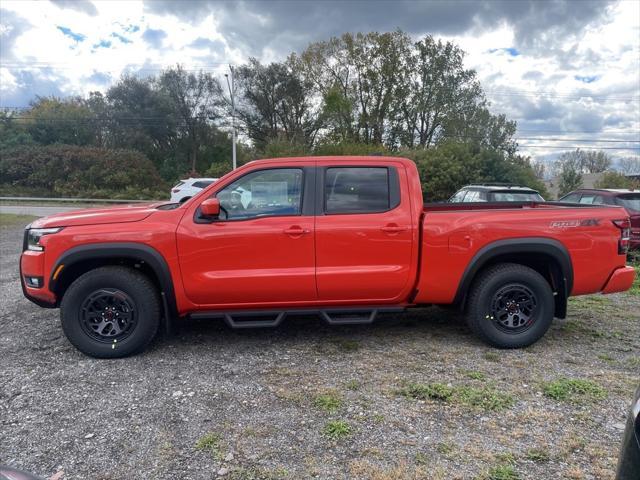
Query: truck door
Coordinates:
[364,233]
[261,248]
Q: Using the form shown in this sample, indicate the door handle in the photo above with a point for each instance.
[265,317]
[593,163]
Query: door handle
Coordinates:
[296,230]
[392,228]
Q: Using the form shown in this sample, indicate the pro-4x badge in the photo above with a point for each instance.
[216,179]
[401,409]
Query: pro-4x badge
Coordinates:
[587,222]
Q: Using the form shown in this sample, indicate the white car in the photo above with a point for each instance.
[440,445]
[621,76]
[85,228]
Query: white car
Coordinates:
[185,189]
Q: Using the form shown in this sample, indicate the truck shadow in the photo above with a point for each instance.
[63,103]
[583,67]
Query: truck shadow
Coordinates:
[430,323]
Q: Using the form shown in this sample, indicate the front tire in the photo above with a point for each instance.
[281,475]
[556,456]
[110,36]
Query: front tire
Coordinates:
[510,306]
[111,312]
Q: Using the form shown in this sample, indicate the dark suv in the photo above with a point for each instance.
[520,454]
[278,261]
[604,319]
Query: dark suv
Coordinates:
[496,192]
[629,199]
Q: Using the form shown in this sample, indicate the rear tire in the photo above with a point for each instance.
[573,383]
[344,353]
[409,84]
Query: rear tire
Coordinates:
[111,312]
[510,306]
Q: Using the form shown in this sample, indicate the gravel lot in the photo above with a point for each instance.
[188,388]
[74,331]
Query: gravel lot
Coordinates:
[413,396]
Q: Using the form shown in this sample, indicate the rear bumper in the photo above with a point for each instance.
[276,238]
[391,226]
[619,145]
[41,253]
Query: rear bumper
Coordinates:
[621,280]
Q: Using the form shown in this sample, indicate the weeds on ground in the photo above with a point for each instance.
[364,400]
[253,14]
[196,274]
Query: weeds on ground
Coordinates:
[485,398]
[210,443]
[474,375]
[329,401]
[634,260]
[353,385]
[445,448]
[346,345]
[491,356]
[574,390]
[502,472]
[538,455]
[337,429]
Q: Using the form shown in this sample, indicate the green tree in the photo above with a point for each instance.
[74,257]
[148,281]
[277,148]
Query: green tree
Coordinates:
[276,104]
[67,121]
[592,161]
[360,78]
[140,117]
[616,180]
[570,177]
[195,100]
[12,131]
[451,165]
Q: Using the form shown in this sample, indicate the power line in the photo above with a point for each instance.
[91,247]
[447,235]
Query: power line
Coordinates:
[560,147]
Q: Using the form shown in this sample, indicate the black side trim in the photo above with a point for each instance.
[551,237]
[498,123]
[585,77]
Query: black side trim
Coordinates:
[547,246]
[273,318]
[132,251]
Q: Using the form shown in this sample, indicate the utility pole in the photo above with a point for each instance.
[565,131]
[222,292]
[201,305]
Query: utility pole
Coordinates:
[232,94]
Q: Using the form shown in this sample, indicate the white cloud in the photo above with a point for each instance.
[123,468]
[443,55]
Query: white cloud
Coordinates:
[536,83]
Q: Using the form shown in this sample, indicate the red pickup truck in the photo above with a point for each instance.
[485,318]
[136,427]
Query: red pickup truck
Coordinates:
[345,238]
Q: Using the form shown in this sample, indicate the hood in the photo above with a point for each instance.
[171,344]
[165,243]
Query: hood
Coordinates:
[98,216]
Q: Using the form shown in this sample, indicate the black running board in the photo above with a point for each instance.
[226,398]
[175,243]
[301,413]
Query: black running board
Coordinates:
[273,318]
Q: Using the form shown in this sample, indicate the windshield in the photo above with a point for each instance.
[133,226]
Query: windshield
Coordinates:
[630,202]
[516,197]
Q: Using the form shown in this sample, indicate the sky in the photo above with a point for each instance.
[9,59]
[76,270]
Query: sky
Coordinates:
[568,71]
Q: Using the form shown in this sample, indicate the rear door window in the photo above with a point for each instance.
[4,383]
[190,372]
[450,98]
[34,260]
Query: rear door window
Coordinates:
[356,190]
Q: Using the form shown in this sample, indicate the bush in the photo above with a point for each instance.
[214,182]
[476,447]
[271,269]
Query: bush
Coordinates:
[448,167]
[81,172]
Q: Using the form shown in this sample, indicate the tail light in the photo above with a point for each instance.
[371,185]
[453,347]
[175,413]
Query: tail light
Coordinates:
[625,235]
[175,190]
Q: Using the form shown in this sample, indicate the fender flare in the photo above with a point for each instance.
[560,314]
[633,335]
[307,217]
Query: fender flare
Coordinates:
[547,246]
[125,250]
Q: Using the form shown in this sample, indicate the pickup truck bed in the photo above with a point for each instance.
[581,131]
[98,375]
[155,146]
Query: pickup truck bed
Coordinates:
[344,237]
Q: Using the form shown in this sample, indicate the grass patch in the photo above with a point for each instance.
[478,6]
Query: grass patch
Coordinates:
[634,260]
[337,429]
[9,219]
[485,398]
[491,356]
[538,455]
[445,448]
[346,345]
[606,358]
[422,458]
[210,443]
[329,401]
[574,390]
[433,391]
[353,385]
[502,472]
[474,375]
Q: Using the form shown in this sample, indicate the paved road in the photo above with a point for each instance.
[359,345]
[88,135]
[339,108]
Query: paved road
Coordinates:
[37,210]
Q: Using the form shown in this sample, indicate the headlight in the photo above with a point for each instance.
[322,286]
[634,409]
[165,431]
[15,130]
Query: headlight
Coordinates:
[35,234]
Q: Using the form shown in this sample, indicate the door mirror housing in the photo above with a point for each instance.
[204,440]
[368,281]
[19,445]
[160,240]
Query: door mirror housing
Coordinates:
[210,207]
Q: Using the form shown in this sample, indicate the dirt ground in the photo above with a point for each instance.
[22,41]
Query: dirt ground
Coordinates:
[412,396]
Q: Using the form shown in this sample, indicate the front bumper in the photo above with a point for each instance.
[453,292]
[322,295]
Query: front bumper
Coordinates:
[620,280]
[32,265]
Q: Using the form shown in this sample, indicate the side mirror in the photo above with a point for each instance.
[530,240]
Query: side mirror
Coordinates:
[210,207]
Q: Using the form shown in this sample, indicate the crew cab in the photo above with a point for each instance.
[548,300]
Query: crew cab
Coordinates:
[345,238]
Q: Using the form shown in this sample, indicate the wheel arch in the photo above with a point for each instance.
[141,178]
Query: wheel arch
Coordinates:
[148,260]
[547,256]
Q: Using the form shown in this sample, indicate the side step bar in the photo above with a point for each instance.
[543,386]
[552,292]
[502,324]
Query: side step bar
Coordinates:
[273,318]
